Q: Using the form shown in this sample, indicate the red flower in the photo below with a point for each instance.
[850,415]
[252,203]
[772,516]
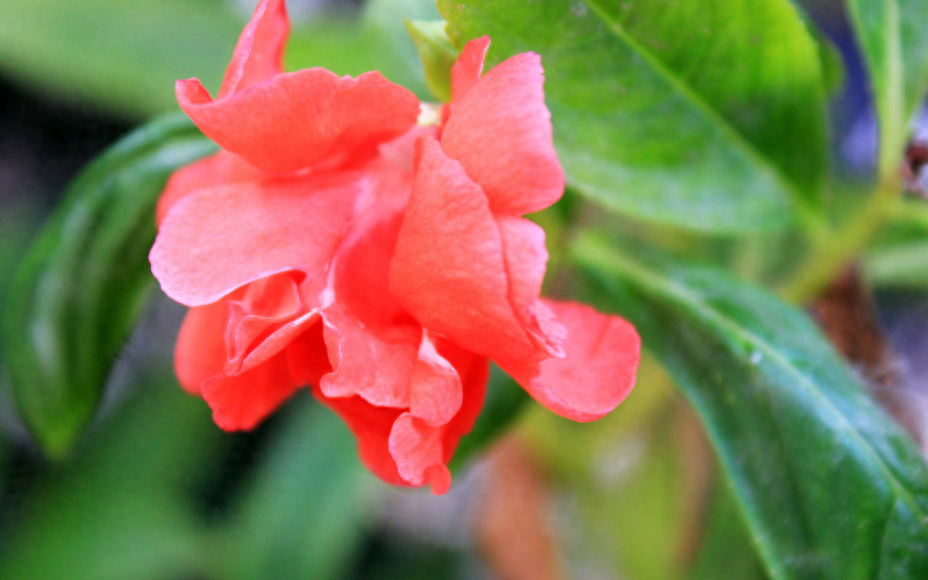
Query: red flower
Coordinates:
[335,244]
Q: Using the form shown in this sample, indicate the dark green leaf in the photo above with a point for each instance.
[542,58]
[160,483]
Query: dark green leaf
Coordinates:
[303,515]
[707,115]
[80,289]
[895,46]
[830,486]
[123,510]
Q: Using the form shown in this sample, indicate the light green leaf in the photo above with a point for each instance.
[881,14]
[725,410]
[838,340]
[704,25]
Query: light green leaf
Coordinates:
[80,289]
[437,53]
[898,257]
[709,115]
[895,46]
[831,488]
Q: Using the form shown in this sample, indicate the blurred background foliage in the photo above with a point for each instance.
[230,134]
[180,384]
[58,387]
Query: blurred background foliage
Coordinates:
[154,491]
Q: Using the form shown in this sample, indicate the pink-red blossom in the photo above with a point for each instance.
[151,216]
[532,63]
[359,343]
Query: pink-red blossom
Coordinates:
[335,244]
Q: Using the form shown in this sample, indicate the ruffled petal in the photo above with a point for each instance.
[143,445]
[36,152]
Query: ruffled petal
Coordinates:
[223,168]
[598,371]
[259,52]
[200,353]
[448,269]
[220,239]
[422,450]
[242,401]
[296,120]
[376,367]
[436,392]
[500,131]
[468,68]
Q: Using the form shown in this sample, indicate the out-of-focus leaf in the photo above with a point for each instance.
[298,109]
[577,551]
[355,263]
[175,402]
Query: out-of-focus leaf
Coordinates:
[124,57]
[895,46]
[437,53]
[302,516]
[504,403]
[708,115]
[123,510]
[830,486]
[726,551]
[80,289]
[898,258]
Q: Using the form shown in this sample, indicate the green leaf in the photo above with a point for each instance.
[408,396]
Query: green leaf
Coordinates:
[709,115]
[437,53]
[895,46]
[898,258]
[80,289]
[123,509]
[303,514]
[831,488]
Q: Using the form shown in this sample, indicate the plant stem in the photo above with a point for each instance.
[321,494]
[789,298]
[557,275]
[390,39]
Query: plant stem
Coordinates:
[834,253]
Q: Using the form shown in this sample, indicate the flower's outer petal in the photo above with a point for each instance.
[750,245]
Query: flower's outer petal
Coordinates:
[468,68]
[259,52]
[217,240]
[223,168]
[296,120]
[200,353]
[376,368]
[242,401]
[500,131]
[526,261]
[422,451]
[370,425]
[598,371]
[448,269]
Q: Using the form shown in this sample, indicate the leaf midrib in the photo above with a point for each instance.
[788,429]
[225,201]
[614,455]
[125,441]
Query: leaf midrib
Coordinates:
[714,115]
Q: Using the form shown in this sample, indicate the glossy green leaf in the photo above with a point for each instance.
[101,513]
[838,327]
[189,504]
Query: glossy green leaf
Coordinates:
[831,488]
[895,46]
[437,53]
[709,115]
[302,516]
[80,289]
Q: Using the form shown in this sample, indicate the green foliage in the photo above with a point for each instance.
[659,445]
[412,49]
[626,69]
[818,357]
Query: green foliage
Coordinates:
[80,290]
[437,53]
[709,115]
[898,258]
[895,46]
[301,516]
[831,487]
[122,510]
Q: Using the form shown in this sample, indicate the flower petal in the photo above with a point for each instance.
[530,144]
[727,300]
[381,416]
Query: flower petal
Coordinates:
[242,401]
[375,367]
[448,269]
[436,392]
[468,68]
[200,353]
[259,52]
[421,450]
[220,239]
[500,131]
[223,168]
[299,119]
[598,371]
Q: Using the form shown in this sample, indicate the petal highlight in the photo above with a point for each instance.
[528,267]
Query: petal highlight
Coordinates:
[500,131]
